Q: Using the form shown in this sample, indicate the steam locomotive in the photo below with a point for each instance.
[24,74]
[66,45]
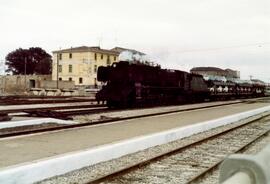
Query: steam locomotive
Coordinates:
[138,84]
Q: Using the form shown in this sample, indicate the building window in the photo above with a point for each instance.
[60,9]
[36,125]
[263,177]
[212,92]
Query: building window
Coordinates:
[101,56]
[114,58]
[70,55]
[108,60]
[69,79]
[32,83]
[69,68]
[60,56]
[89,70]
[59,68]
[95,56]
[80,80]
[60,78]
[95,69]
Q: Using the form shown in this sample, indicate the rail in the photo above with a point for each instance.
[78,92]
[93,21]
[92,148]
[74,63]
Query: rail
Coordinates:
[136,166]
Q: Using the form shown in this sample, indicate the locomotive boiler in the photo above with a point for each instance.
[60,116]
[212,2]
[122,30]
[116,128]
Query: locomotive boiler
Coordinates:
[136,84]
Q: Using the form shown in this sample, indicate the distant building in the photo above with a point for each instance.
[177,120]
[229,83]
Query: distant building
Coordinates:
[228,73]
[80,64]
[18,84]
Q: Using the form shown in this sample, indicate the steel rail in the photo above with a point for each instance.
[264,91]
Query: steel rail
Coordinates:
[214,166]
[101,105]
[28,101]
[51,108]
[66,115]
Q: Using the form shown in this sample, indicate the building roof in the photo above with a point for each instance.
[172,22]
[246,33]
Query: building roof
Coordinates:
[113,51]
[87,49]
[258,81]
[206,69]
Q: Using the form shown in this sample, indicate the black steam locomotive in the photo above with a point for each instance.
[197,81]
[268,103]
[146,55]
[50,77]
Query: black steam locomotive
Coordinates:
[136,84]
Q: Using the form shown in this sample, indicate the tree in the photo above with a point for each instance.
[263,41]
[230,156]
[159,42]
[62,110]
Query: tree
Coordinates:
[34,60]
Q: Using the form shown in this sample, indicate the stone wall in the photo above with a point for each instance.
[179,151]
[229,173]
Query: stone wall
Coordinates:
[41,85]
[18,84]
[61,84]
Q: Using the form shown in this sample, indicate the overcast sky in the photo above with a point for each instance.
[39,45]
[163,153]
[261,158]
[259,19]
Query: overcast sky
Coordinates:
[179,34]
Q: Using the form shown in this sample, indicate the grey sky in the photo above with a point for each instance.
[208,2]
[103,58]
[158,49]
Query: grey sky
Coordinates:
[179,33]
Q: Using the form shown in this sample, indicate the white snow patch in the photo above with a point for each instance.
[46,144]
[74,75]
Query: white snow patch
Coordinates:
[10,124]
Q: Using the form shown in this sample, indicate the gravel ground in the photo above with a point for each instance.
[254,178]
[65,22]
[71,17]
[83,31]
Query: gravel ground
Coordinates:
[86,174]
[257,146]
[183,166]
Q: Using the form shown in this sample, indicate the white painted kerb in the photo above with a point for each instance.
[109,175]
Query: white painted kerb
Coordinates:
[10,124]
[42,169]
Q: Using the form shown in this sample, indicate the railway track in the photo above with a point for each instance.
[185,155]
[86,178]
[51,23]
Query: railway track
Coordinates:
[191,162]
[94,104]
[59,112]
[22,100]
[66,114]
[56,107]
[104,120]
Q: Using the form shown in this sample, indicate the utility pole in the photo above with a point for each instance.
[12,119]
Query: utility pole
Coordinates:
[2,66]
[57,72]
[25,60]
[100,41]
[2,77]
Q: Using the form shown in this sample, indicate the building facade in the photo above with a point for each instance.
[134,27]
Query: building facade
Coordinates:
[80,64]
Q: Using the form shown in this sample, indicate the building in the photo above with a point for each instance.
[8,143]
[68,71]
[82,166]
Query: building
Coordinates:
[213,71]
[80,64]
[19,84]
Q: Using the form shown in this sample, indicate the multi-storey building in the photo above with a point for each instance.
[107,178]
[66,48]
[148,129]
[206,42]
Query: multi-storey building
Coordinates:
[80,64]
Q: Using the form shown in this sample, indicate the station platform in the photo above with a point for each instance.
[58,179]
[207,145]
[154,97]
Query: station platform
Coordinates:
[26,152]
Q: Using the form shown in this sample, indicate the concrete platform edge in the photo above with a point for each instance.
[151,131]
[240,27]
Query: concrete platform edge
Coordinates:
[42,169]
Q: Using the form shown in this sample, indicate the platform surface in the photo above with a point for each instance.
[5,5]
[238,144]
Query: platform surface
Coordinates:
[28,148]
